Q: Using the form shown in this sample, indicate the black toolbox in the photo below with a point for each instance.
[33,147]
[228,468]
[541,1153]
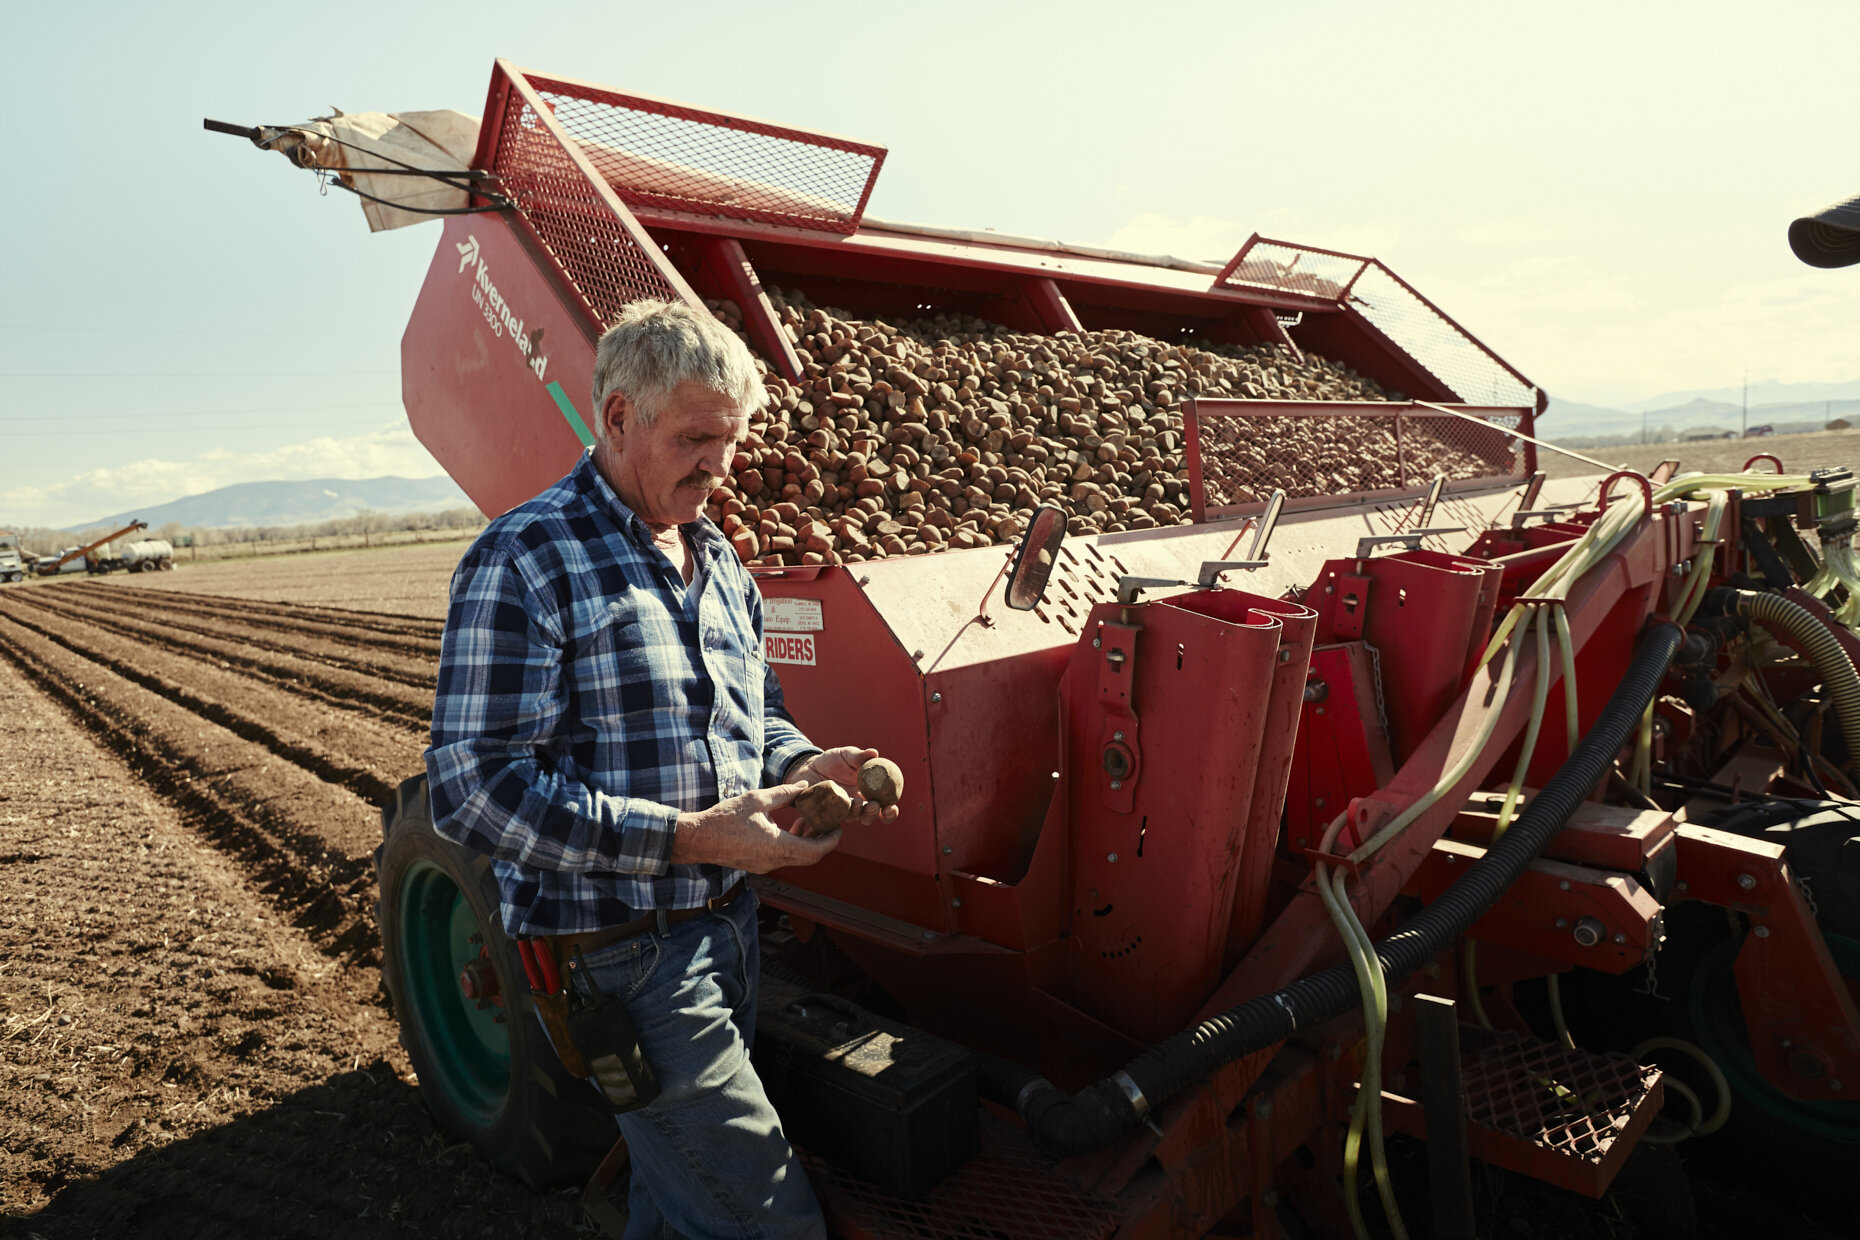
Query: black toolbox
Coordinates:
[885,1101]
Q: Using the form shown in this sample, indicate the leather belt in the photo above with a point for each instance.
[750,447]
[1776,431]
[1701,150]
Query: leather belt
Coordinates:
[564,946]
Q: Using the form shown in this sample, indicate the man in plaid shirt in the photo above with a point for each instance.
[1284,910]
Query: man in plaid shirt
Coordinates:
[607,730]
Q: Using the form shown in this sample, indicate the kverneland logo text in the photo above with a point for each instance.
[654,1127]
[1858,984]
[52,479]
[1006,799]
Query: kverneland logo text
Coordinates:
[497,312]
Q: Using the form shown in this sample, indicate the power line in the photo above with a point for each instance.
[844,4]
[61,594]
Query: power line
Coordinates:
[268,426]
[183,374]
[275,333]
[143,415]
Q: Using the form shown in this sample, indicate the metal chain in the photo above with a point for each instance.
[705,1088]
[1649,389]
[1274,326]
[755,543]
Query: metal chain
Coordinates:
[1808,896]
[1651,987]
[1375,667]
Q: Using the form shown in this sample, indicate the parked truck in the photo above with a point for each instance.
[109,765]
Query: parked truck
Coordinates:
[12,567]
[94,557]
[1214,866]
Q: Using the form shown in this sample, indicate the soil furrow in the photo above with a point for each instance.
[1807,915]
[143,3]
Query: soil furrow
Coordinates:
[415,672]
[365,756]
[396,623]
[177,1061]
[307,843]
[245,612]
[308,678]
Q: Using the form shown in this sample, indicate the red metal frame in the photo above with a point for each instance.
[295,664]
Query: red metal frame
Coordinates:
[730,140]
[1402,355]
[1803,1023]
[564,205]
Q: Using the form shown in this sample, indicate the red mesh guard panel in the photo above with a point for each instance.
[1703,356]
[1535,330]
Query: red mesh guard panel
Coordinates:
[1289,268]
[660,154]
[1008,1191]
[604,261]
[1469,368]
[1242,451]
[1451,353]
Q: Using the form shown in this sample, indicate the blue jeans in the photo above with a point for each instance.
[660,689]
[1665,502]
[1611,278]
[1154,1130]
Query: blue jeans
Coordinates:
[709,1158]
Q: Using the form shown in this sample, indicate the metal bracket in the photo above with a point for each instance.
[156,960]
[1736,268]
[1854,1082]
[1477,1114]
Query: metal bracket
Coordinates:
[1410,539]
[1256,555]
[1129,587]
[1433,498]
[1210,569]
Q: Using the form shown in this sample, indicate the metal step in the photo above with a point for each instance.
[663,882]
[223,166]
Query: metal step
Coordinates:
[1010,1190]
[1568,1117]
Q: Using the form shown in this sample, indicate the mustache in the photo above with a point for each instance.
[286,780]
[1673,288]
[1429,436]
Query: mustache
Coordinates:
[702,478]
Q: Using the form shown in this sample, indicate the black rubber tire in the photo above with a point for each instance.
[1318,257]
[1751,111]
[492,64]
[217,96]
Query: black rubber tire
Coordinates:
[533,1121]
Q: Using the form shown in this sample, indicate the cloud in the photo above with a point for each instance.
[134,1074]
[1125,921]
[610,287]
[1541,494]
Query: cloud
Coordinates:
[392,450]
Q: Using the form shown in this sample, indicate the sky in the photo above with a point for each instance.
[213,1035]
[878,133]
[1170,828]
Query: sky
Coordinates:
[1600,191]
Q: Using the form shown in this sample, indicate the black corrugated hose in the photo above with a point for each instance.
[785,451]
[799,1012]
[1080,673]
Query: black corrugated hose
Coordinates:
[1098,1115]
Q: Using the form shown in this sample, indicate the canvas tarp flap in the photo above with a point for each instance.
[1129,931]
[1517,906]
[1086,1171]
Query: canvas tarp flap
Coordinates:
[352,144]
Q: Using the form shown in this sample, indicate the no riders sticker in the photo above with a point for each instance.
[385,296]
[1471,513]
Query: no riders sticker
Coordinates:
[789,648]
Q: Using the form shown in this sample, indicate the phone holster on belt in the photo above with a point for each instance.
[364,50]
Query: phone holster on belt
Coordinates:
[603,1032]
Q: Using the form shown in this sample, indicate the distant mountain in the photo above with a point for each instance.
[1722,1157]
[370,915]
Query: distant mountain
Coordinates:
[1765,393]
[1568,420]
[294,503]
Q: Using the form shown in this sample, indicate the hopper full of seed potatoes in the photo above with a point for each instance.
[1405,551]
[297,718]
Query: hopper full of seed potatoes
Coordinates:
[1315,770]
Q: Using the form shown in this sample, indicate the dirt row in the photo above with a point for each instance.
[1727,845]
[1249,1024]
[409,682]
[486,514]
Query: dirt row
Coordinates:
[192,1038]
[404,581]
[283,618]
[352,661]
[366,756]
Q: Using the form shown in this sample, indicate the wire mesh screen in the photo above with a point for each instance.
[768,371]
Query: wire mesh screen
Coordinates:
[593,249]
[1291,269]
[659,154]
[1572,1102]
[1426,335]
[1242,451]
[1453,355]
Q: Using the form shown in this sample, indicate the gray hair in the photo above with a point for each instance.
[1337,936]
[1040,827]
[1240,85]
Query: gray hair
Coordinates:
[656,345]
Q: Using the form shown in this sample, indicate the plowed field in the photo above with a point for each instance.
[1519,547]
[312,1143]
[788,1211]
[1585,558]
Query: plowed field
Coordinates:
[193,1038]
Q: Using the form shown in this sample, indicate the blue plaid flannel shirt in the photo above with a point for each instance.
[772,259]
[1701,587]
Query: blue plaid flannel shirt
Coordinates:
[586,696]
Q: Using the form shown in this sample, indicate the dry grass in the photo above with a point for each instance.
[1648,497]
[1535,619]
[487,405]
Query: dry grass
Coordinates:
[1799,454]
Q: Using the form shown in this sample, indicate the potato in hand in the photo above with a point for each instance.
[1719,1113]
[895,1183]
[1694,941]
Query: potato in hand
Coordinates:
[825,806]
[881,782]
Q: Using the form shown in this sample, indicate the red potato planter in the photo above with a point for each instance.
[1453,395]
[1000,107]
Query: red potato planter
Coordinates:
[1123,809]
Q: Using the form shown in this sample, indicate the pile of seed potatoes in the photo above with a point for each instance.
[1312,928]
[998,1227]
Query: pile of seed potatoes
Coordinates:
[914,437]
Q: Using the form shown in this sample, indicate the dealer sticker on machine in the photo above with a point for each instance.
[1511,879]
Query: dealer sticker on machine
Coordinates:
[793,615]
[791,624]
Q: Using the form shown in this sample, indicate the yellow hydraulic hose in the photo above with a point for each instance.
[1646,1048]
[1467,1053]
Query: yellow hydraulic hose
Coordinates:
[1595,544]
[1366,1111]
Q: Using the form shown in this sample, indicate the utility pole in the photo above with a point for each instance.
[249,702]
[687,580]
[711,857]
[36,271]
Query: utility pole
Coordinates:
[1746,427]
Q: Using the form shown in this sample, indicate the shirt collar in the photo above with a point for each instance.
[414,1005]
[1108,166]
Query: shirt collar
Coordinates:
[702,535]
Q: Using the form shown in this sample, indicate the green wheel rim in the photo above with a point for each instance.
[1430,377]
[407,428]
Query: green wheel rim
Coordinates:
[1718,1020]
[470,1047]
